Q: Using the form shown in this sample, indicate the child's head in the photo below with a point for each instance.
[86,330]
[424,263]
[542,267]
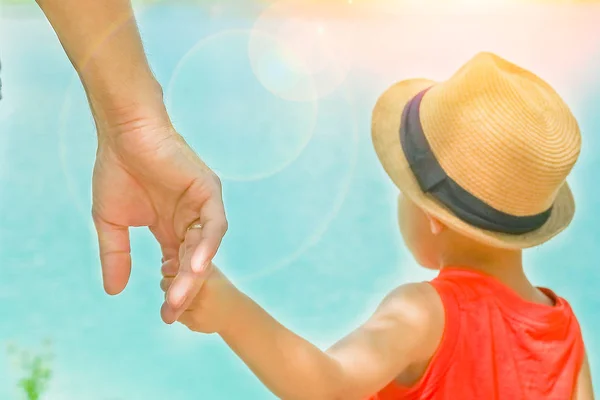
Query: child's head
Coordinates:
[481,159]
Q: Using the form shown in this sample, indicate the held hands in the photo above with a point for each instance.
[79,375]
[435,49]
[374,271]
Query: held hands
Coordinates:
[146,175]
[213,307]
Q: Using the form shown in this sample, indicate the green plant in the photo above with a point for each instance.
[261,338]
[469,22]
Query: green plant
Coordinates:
[36,371]
[38,374]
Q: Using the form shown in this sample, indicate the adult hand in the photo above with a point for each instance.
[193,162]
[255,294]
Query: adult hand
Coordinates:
[146,175]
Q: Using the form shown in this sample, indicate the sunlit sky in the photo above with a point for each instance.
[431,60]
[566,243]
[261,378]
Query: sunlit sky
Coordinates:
[386,38]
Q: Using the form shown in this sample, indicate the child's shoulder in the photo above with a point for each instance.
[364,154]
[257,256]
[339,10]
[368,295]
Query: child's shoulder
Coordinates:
[417,303]
[417,310]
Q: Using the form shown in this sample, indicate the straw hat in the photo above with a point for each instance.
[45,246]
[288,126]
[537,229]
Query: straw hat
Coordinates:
[501,135]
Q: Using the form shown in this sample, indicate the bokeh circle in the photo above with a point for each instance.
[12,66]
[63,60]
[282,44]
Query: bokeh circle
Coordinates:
[240,129]
[310,58]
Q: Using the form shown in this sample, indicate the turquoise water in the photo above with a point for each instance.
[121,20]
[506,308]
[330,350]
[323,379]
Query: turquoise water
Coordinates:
[313,234]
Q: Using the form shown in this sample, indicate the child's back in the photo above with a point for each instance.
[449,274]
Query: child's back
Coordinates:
[496,345]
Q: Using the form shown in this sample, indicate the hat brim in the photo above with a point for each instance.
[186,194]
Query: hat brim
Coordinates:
[386,139]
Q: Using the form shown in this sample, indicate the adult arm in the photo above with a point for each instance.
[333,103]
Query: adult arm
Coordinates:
[102,41]
[145,174]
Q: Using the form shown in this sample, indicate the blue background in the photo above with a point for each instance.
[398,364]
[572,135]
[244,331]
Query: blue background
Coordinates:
[313,233]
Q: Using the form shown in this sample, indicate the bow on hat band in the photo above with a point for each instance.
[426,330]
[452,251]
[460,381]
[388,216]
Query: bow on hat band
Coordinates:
[433,180]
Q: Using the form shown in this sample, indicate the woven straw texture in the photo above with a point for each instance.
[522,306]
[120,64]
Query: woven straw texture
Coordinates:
[500,132]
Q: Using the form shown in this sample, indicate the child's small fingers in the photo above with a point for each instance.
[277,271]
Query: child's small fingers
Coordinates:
[165,284]
[170,268]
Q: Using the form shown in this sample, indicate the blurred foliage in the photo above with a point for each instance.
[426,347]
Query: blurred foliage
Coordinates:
[35,370]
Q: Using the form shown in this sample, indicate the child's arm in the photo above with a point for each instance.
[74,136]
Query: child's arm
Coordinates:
[400,332]
[406,327]
[584,389]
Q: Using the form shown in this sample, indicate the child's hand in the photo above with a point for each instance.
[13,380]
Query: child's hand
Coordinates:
[213,306]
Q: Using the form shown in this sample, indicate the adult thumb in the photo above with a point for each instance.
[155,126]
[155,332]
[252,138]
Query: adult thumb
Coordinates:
[115,255]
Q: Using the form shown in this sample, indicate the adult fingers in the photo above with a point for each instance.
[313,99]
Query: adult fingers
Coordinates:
[170,268]
[115,255]
[165,284]
[214,227]
[186,280]
[186,284]
[168,245]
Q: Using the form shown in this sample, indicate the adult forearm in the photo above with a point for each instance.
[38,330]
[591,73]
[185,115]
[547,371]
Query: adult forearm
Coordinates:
[103,43]
[291,367]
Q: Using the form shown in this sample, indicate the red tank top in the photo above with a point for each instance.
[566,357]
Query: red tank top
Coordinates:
[497,346]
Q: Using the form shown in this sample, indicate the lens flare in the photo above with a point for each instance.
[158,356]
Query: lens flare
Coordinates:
[241,130]
[309,56]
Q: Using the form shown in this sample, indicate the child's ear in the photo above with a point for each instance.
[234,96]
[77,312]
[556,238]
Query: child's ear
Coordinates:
[435,225]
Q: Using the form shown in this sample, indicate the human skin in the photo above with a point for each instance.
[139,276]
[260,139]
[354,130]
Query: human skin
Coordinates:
[145,174]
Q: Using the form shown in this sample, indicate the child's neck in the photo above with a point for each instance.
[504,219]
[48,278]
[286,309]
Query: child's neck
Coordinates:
[504,265]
